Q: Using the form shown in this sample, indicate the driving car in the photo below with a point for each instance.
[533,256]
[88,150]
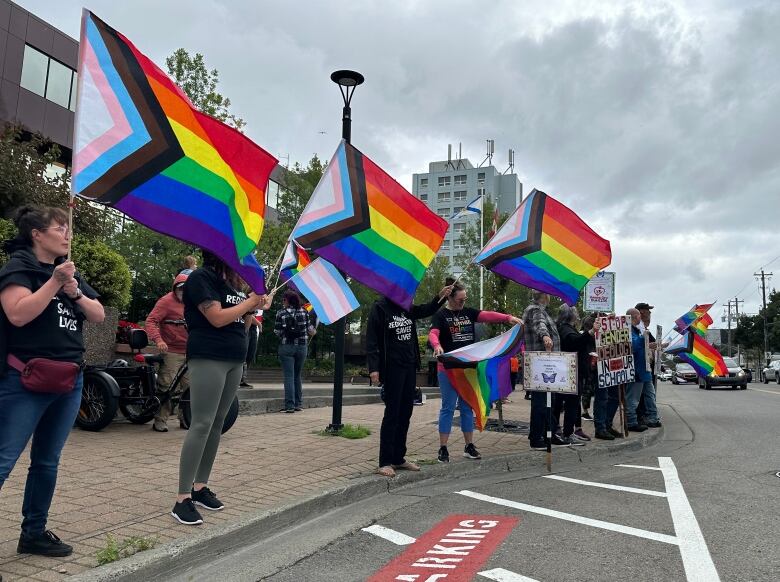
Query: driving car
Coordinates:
[665,375]
[772,372]
[736,377]
[683,373]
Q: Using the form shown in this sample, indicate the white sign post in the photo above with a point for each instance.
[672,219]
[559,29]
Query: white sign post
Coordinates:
[600,293]
[550,372]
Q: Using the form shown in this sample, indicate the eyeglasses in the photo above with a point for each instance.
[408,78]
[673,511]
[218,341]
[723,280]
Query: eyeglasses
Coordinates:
[62,229]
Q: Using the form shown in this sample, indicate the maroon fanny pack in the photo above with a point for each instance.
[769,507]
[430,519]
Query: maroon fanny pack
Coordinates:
[46,376]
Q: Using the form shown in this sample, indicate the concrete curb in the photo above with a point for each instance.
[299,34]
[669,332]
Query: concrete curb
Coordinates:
[173,556]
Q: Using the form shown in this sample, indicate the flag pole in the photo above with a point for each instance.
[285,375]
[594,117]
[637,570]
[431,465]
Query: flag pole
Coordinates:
[549,432]
[481,246]
[278,262]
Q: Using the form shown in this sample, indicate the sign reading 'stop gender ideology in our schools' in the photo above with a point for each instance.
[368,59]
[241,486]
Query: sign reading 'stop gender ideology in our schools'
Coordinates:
[613,346]
[600,293]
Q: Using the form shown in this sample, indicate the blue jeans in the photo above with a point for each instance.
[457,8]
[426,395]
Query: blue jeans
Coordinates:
[48,419]
[634,392]
[292,358]
[606,402]
[449,399]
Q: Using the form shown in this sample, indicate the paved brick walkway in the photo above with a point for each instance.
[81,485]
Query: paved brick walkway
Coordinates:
[123,480]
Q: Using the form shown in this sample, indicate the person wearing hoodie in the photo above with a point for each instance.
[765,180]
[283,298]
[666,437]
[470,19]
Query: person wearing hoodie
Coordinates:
[582,343]
[455,327]
[167,330]
[44,303]
[393,355]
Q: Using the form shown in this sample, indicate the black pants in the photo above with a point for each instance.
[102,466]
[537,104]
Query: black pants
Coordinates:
[570,405]
[539,418]
[251,351]
[400,386]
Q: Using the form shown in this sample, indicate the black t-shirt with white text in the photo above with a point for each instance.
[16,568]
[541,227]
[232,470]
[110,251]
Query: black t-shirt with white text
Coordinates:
[204,340]
[401,347]
[456,328]
[56,333]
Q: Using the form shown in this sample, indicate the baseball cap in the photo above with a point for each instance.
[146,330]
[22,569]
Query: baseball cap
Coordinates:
[643,306]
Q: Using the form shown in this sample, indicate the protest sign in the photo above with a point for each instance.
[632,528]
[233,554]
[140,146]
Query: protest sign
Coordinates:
[550,372]
[659,349]
[613,347]
[599,294]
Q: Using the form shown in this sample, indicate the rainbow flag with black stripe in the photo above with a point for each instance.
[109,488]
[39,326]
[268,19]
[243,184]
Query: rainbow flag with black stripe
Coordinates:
[295,260]
[545,246]
[481,373]
[366,224]
[141,147]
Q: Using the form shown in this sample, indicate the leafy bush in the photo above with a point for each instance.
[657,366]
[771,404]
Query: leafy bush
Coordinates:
[105,270]
[7,231]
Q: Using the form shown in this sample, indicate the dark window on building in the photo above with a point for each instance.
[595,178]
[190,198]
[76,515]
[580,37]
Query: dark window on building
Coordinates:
[423,182]
[460,180]
[49,78]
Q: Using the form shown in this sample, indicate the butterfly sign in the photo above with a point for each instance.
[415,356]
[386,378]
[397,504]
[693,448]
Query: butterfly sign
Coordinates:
[550,372]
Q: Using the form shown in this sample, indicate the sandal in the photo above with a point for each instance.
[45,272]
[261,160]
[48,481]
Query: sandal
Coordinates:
[407,466]
[386,471]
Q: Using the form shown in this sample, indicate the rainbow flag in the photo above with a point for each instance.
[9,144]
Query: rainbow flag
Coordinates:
[700,325]
[545,246]
[330,295]
[691,317]
[370,227]
[141,147]
[699,353]
[295,259]
[480,372]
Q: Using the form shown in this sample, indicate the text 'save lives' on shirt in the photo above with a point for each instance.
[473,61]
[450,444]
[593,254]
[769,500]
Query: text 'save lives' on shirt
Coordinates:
[56,333]
[206,341]
[391,335]
[456,328]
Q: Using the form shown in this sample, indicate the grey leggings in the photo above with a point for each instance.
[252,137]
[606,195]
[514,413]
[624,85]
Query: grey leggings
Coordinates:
[213,385]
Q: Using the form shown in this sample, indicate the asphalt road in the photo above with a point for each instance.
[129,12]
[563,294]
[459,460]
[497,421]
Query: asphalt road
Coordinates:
[702,505]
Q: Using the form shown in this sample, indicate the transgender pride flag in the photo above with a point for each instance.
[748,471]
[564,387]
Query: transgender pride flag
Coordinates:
[329,294]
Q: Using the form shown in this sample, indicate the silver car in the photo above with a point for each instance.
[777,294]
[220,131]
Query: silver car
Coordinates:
[736,377]
[772,372]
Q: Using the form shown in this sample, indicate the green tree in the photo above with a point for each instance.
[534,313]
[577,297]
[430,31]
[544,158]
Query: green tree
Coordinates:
[26,178]
[104,269]
[193,77]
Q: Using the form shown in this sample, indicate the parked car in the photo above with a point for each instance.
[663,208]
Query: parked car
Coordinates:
[683,373]
[665,375]
[736,377]
[772,372]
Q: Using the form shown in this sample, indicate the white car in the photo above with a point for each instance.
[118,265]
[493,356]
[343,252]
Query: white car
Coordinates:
[665,376]
[772,372]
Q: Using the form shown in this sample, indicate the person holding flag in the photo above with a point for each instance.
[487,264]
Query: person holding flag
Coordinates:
[393,355]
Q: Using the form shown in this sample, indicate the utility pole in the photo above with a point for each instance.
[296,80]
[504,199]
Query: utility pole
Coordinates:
[764,277]
[728,305]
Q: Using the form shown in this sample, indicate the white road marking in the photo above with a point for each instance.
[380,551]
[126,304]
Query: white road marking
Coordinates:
[765,391]
[501,575]
[390,535]
[640,467]
[632,531]
[693,548]
[606,486]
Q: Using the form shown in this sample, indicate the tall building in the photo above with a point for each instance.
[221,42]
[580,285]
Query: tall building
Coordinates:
[449,185]
[38,86]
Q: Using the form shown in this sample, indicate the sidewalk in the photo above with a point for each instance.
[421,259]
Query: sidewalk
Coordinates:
[123,480]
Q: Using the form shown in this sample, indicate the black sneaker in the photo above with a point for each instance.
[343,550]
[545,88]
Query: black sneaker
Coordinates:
[471,452]
[604,435]
[539,446]
[656,424]
[558,441]
[572,442]
[185,512]
[206,498]
[637,427]
[444,455]
[43,544]
[586,416]
[615,433]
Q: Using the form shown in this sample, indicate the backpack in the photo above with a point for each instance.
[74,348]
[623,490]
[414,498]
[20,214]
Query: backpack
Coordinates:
[293,327]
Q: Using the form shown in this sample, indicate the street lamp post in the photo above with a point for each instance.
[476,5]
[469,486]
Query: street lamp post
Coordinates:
[347,81]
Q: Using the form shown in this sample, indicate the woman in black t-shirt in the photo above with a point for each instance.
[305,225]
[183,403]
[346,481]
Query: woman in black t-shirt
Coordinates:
[217,316]
[44,305]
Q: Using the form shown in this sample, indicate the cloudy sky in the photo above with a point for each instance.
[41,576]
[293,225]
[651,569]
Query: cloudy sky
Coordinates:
[658,122]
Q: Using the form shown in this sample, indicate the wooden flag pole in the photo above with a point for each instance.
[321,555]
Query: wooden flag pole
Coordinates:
[71,206]
[549,432]
[278,263]
[623,427]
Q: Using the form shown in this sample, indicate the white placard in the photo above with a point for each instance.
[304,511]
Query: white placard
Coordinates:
[600,293]
[550,372]
[613,346]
